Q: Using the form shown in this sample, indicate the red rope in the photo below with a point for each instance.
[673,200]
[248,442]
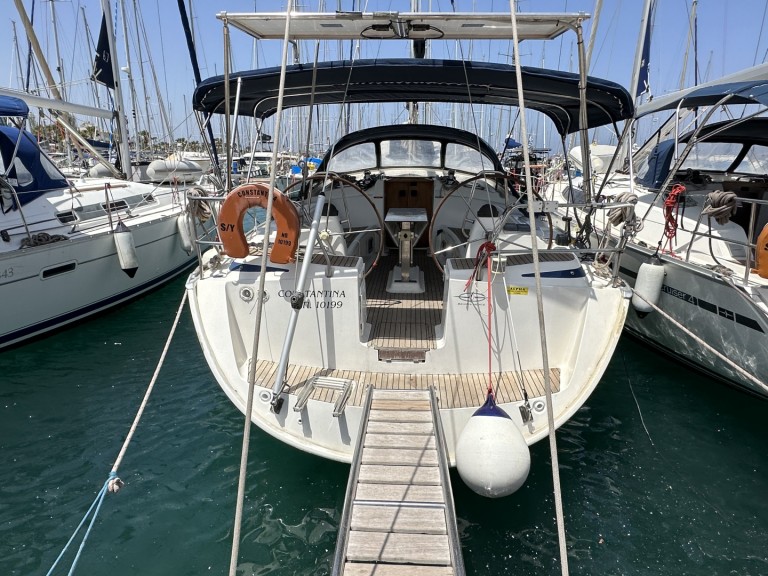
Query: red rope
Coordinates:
[671,213]
[484,253]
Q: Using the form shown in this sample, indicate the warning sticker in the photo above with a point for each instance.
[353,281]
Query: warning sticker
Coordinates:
[517,290]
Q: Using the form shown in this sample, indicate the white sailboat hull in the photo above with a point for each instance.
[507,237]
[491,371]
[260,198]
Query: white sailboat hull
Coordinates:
[581,336]
[726,316]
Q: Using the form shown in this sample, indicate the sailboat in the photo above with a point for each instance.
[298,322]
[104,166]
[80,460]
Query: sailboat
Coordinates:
[698,261]
[72,248]
[407,261]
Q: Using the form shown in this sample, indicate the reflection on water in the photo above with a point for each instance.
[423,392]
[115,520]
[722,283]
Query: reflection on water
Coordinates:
[676,486]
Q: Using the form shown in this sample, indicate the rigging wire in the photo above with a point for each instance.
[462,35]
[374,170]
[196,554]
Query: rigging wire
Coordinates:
[539,301]
[259,308]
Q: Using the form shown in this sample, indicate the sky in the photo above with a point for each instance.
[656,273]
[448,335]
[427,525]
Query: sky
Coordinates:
[731,36]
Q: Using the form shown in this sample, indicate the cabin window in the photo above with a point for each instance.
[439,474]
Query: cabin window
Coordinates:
[56,270]
[66,217]
[466,159]
[23,176]
[410,153]
[116,205]
[354,159]
[713,156]
[755,162]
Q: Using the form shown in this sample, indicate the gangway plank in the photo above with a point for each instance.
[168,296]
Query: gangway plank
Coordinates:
[398,514]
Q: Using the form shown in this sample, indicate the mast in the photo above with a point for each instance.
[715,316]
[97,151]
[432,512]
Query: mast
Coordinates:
[122,123]
[54,89]
[196,70]
[692,39]
[163,113]
[136,20]
[131,87]
[59,63]
[18,58]
[89,39]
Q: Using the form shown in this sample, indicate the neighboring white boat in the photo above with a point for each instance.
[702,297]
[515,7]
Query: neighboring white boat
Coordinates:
[699,254]
[407,261]
[71,248]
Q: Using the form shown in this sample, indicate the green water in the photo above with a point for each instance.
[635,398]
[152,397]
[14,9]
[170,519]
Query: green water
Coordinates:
[672,482]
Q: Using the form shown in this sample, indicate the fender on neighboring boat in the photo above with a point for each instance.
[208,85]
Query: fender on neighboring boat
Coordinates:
[650,279]
[761,254]
[255,195]
[126,249]
[185,237]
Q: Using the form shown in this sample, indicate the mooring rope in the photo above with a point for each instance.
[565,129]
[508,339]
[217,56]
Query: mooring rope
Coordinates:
[113,483]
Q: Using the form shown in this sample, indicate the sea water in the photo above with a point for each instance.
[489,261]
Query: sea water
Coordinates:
[663,471]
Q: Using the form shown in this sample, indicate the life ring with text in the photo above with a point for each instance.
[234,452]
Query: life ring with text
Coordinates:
[255,195]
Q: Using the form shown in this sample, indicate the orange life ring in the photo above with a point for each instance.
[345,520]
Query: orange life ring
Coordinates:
[761,254]
[284,212]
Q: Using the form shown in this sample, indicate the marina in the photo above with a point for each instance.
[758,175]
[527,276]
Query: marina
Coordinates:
[404,345]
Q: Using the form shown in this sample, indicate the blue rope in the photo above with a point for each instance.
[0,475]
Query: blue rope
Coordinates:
[97,505]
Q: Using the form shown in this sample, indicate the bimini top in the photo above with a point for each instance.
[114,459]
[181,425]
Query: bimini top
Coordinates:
[10,106]
[746,87]
[553,93]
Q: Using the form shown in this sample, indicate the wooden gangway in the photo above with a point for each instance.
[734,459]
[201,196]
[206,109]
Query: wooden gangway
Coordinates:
[398,516]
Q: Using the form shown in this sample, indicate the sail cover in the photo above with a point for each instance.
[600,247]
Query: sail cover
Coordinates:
[553,93]
[10,106]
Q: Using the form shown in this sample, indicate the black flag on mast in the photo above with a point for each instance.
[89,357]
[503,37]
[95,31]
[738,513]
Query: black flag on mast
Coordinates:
[102,64]
[643,79]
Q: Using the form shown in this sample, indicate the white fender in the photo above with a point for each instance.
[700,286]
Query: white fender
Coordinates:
[492,456]
[650,279]
[182,223]
[126,249]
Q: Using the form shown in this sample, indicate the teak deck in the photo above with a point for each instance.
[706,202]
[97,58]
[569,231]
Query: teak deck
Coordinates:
[407,322]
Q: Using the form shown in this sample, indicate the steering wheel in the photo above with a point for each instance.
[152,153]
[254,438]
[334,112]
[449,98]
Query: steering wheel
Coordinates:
[324,179]
[498,176]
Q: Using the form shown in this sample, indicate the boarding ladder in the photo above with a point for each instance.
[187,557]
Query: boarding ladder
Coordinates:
[398,516]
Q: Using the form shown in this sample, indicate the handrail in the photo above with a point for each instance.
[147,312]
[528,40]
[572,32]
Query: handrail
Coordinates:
[354,474]
[445,477]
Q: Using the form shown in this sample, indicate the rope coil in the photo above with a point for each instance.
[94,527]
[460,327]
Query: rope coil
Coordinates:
[40,239]
[672,213]
[721,206]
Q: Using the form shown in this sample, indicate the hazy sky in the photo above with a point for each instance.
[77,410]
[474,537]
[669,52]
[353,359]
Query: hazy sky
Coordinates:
[730,37]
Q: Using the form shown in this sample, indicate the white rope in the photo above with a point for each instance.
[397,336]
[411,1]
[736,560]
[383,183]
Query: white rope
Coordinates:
[540,304]
[721,356]
[115,485]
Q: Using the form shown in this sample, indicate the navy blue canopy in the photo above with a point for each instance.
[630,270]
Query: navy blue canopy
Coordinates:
[748,92]
[551,92]
[750,131]
[31,173]
[11,106]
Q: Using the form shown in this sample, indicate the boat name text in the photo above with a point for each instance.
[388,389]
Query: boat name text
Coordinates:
[320,298]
